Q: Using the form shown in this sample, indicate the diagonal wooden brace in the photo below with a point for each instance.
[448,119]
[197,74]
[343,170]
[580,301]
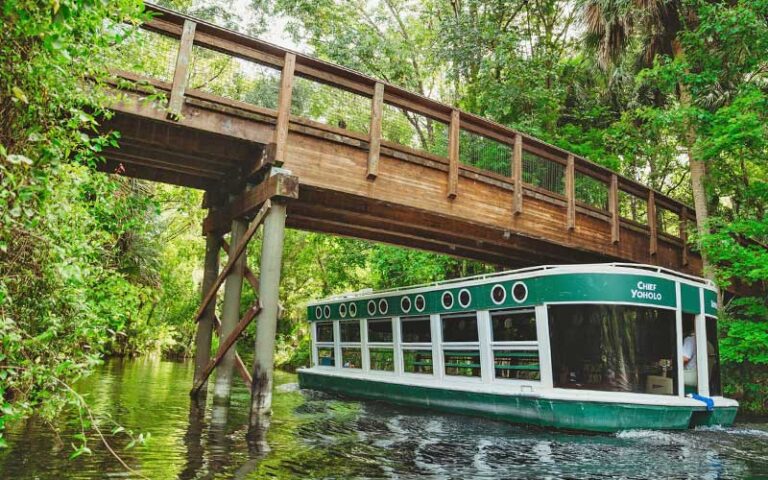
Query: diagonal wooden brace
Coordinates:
[253,280]
[241,368]
[225,346]
[239,249]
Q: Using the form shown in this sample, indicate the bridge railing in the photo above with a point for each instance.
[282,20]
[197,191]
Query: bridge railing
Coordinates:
[189,58]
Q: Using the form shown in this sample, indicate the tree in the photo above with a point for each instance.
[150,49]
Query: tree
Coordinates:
[657,25]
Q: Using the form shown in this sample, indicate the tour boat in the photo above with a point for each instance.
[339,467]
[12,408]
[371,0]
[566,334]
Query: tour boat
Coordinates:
[580,347]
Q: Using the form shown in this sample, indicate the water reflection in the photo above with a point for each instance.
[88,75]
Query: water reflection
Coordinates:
[313,435]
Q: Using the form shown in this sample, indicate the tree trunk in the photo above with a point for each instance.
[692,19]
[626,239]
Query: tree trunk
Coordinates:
[698,171]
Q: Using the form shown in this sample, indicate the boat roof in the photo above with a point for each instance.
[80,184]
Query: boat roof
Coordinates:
[582,283]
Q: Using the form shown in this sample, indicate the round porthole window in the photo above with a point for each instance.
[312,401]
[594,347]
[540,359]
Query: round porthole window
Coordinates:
[420,303]
[498,294]
[383,306]
[327,311]
[352,309]
[343,310]
[405,304]
[465,298]
[519,292]
[447,300]
[319,312]
[371,307]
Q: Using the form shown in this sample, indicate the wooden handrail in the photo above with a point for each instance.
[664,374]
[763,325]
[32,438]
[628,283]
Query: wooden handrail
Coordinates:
[170,23]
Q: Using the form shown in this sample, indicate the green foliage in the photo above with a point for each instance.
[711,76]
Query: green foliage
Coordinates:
[64,296]
[92,266]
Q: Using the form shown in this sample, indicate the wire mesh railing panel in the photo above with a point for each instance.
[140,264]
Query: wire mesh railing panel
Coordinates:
[413,130]
[591,191]
[234,78]
[146,53]
[485,153]
[543,173]
[668,221]
[633,208]
[331,106]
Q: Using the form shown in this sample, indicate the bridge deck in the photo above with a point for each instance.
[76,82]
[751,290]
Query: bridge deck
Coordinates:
[360,184]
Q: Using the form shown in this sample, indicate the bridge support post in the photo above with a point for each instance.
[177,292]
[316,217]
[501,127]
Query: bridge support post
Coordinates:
[269,291]
[206,323]
[230,313]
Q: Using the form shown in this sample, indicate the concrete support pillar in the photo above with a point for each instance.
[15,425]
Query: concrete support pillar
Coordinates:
[269,292]
[230,314]
[205,325]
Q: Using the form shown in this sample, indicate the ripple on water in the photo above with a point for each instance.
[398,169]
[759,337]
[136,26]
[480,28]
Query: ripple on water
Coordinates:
[317,435]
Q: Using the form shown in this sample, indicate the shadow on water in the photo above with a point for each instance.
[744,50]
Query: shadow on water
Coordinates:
[314,435]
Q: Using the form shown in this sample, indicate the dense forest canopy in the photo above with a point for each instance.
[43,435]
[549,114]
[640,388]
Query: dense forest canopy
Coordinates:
[673,93]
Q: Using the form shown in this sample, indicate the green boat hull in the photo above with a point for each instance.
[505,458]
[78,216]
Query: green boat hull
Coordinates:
[561,414]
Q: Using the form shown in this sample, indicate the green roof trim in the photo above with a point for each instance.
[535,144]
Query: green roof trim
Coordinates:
[513,291]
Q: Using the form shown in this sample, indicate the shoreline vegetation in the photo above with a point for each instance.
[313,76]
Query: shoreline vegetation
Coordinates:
[95,266]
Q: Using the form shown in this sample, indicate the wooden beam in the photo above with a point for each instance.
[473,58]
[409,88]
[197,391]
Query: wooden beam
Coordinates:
[570,194]
[517,175]
[239,249]
[684,236]
[181,73]
[279,185]
[116,167]
[613,207]
[453,155]
[284,108]
[225,346]
[253,280]
[653,223]
[239,364]
[374,149]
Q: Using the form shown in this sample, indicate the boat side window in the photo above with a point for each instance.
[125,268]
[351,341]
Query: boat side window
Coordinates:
[381,352]
[417,344]
[617,348]
[461,348]
[713,358]
[351,354]
[326,356]
[514,344]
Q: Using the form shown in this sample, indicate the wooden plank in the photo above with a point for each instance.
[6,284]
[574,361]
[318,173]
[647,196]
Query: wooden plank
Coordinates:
[240,248]
[253,281]
[374,148]
[225,346]
[280,185]
[453,155]
[436,112]
[653,222]
[284,108]
[570,194]
[239,364]
[115,167]
[229,47]
[470,126]
[517,175]
[181,73]
[684,236]
[613,207]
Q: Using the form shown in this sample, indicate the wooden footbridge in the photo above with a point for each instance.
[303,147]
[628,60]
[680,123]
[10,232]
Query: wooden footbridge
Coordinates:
[281,138]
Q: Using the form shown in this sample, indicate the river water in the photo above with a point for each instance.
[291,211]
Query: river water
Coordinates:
[313,435]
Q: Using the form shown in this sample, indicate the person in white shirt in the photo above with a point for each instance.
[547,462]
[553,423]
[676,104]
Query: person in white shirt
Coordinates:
[690,372]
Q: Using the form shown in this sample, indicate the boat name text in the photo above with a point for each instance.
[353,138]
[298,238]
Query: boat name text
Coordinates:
[646,291]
